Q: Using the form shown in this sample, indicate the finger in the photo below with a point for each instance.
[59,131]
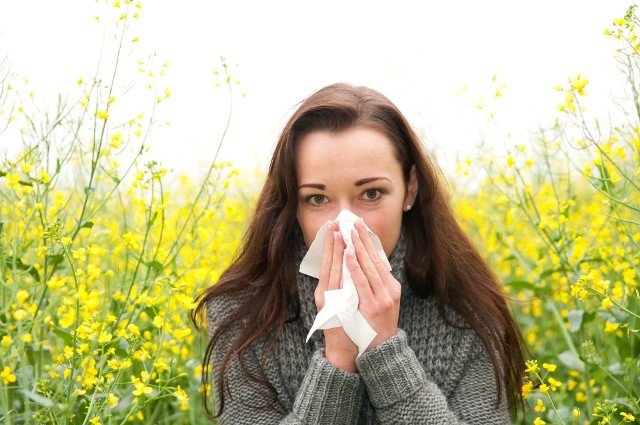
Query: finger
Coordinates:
[335,275]
[360,281]
[369,261]
[325,267]
[365,238]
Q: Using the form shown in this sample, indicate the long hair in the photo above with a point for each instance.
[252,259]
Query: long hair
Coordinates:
[440,259]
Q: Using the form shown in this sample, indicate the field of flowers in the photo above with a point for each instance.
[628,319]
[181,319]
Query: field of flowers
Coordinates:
[559,219]
[102,250]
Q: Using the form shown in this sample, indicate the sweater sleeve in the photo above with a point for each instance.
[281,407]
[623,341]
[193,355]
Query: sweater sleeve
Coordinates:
[401,393]
[328,395]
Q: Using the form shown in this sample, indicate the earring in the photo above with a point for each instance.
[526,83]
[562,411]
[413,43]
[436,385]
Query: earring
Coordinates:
[407,207]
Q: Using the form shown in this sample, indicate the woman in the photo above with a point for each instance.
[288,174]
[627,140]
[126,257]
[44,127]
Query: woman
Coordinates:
[447,348]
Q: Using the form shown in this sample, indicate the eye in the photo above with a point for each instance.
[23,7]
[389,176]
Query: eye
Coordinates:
[371,194]
[316,200]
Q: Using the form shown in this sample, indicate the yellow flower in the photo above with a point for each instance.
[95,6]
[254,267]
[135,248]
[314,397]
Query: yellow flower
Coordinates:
[549,366]
[105,337]
[141,388]
[611,327]
[95,421]
[134,330]
[182,397]
[158,321]
[619,22]
[538,421]
[607,303]
[44,176]
[540,406]
[112,400]
[116,140]
[20,315]
[601,286]
[544,388]
[532,366]
[82,348]
[79,254]
[7,376]
[68,352]
[627,417]
[26,167]
[12,180]
[103,115]
[579,83]
[6,341]
[554,384]
[22,296]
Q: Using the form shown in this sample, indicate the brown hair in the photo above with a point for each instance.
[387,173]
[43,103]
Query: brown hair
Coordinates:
[440,259]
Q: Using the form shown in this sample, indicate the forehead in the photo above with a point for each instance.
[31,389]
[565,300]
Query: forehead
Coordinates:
[356,150]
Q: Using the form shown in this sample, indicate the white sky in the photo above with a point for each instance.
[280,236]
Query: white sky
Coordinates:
[420,54]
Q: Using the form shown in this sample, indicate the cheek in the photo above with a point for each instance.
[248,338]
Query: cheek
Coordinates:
[310,225]
[387,228]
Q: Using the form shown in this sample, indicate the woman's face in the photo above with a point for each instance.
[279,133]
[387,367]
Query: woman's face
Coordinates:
[355,170]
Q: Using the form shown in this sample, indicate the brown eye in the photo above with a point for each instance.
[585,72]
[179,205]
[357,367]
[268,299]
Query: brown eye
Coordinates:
[316,199]
[371,194]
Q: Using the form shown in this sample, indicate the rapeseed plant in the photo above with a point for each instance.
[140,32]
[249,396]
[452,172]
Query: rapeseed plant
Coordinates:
[102,250]
[560,222]
[101,257]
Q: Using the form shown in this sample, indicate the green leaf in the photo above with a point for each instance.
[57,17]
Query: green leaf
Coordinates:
[615,369]
[55,259]
[43,401]
[575,320]
[155,265]
[87,225]
[124,345]
[624,347]
[520,285]
[153,219]
[570,360]
[66,336]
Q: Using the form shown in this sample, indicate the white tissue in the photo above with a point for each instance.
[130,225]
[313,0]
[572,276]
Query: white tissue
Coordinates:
[341,305]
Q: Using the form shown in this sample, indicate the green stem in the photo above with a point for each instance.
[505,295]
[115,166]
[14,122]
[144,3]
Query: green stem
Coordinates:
[567,338]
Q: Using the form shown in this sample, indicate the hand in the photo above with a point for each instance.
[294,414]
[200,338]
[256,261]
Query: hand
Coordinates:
[339,349]
[378,290]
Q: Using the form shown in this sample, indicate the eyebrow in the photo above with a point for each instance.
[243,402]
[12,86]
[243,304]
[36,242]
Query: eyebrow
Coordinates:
[369,180]
[358,183]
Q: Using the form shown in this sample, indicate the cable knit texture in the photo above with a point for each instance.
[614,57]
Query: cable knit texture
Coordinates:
[428,373]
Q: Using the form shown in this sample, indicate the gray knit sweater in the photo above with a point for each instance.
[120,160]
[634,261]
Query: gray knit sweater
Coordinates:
[428,373]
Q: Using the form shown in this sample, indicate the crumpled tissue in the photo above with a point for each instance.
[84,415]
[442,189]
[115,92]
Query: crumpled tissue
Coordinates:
[341,305]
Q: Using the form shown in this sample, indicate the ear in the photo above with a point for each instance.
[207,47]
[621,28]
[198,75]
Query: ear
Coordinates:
[412,187]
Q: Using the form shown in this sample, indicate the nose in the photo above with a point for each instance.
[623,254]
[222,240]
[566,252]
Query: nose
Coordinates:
[346,205]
